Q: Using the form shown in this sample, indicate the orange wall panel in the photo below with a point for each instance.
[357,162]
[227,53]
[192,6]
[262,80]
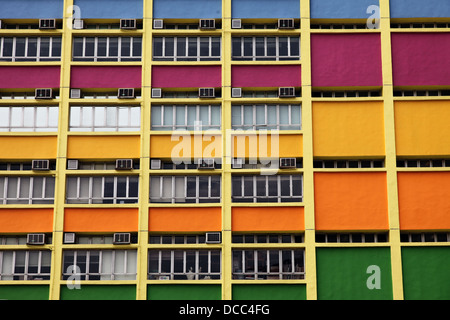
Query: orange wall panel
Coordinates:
[185,219]
[257,146]
[28,147]
[26,220]
[424,201]
[268,219]
[100,220]
[351,201]
[103,147]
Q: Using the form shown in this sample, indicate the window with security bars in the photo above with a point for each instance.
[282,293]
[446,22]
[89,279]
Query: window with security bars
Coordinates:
[27,189]
[30,49]
[186,117]
[185,189]
[184,264]
[107,49]
[264,116]
[267,188]
[25,264]
[268,264]
[29,119]
[266,48]
[100,264]
[105,118]
[102,189]
[186,48]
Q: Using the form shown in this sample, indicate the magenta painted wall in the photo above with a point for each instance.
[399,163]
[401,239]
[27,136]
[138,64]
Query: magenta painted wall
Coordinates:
[266,76]
[106,77]
[186,76]
[340,60]
[29,77]
[421,59]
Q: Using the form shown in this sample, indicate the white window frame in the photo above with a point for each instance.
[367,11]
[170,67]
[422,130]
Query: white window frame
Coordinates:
[11,262]
[107,57]
[187,57]
[28,188]
[195,274]
[24,114]
[265,57]
[38,57]
[276,126]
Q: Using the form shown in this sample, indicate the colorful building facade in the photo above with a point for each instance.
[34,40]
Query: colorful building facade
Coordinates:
[224,150]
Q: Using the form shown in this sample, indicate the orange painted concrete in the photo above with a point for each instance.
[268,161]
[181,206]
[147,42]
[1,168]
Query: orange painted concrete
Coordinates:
[28,147]
[258,146]
[268,219]
[100,220]
[26,220]
[103,147]
[185,219]
[351,201]
[424,200]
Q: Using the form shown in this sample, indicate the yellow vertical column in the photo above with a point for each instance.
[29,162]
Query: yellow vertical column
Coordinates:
[60,179]
[226,158]
[308,175]
[144,181]
[390,162]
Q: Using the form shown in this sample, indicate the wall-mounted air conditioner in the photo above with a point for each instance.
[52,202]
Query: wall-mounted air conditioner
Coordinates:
[236,23]
[72,164]
[155,164]
[129,24]
[236,92]
[285,23]
[286,92]
[213,237]
[207,24]
[206,93]
[40,165]
[156,93]
[69,237]
[286,163]
[43,93]
[36,238]
[75,93]
[121,238]
[126,93]
[124,164]
[206,164]
[78,24]
[47,24]
[158,24]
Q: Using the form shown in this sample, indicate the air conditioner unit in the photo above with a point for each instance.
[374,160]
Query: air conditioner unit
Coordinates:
[237,163]
[236,23]
[122,238]
[155,164]
[206,93]
[206,164]
[158,24]
[213,237]
[78,24]
[286,92]
[286,163]
[43,94]
[128,24]
[75,93]
[72,164]
[126,93]
[285,23]
[36,238]
[69,237]
[124,164]
[156,93]
[207,24]
[47,24]
[236,92]
[43,165]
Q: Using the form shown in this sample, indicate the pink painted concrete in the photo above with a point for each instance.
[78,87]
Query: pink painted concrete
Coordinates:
[186,76]
[266,76]
[340,60]
[21,77]
[106,77]
[421,59]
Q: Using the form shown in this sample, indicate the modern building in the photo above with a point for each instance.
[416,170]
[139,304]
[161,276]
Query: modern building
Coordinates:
[224,149]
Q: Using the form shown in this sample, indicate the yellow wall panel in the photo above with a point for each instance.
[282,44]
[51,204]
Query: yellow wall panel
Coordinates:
[270,145]
[185,146]
[23,147]
[103,147]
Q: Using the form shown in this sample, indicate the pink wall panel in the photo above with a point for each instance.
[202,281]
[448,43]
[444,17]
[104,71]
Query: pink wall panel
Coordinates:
[106,77]
[266,76]
[186,76]
[421,59]
[340,60]
[29,77]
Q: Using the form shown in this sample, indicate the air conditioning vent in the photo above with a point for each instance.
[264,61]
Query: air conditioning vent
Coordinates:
[286,163]
[285,23]
[43,94]
[158,24]
[128,24]
[122,238]
[206,93]
[36,238]
[155,164]
[75,93]
[78,24]
[207,24]
[47,24]
[206,164]
[156,93]
[69,237]
[236,23]
[126,93]
[238,163]
[286,92]
[72,164]
[213,237]
[236,92]
[43,165]
[124,164]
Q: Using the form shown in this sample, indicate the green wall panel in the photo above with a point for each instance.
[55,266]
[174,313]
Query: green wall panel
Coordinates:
[184,292]
[346,274]
[99,292]
[426,273]
[268,292]
[24,292]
